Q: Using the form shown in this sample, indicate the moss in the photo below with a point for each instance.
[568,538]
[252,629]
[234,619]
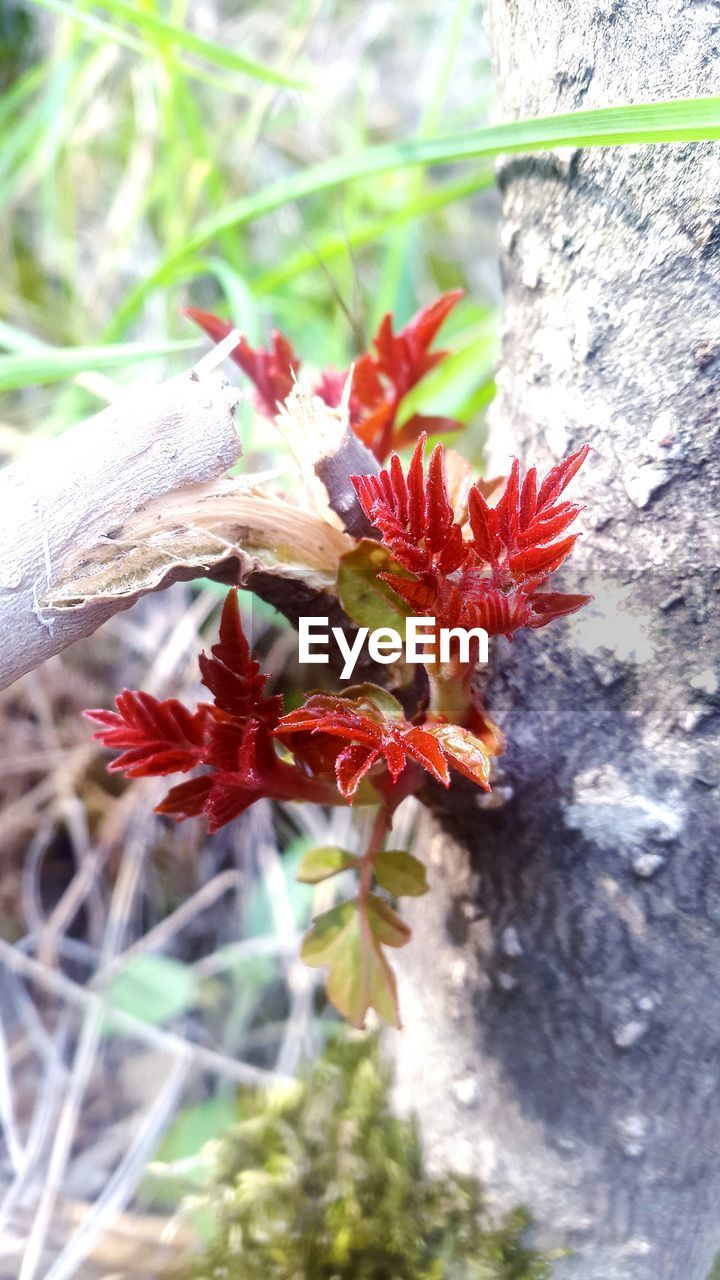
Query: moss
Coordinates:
[320,1181]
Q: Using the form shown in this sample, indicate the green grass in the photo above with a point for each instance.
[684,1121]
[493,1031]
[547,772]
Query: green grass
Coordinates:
[688,120]
[156,31]
[47,365]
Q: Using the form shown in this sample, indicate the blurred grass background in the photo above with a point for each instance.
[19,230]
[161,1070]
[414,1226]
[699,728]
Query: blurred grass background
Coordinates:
[128,127]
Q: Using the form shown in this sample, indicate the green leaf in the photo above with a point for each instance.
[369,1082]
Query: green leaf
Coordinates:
[401,874]
[153,988]
[680,120]
[184,1140]
[364,596]
[464,751]
[348,940]
[160,32]
[52,364]
[320,864]
[385,923]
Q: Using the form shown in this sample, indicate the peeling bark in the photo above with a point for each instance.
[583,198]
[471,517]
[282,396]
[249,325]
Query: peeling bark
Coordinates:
[561,995]
[70,492]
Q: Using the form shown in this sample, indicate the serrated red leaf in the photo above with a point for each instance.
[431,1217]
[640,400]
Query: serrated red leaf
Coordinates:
[486,581]
[414,514]
[155,737]
[483,523]
[187,799]
[232,739]
[548,605]
[233,676]
[559,477]
[370,738]
[381,378]
[534,561]
[272,372]
[427,751]
[351,766]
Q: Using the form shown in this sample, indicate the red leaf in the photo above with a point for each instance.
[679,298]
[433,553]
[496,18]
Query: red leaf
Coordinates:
[273,372]
[371,735]
[414,515]
[427,751]
[548,605]
[351,766]
[541,560]
[381,379]
[484,582]
[228,797]
[330,387]
[232,739]
[156,738]
[187,799]
[483,522]
[560,476]
[233,676]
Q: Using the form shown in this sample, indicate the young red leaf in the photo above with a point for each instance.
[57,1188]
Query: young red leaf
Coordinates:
[187,799]
[233,676]
[559,477]
[372,736]
[548,605]
[272,372]
[465,752]
[382,378]
[414,515]
[155,738]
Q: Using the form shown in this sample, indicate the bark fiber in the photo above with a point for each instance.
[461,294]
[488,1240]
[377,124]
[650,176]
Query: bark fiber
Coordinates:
[561,995]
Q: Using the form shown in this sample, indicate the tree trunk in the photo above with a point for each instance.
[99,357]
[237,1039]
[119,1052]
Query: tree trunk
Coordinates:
[561,996]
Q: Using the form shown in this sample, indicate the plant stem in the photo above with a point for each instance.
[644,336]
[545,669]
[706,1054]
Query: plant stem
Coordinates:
[380,828]
[450,696]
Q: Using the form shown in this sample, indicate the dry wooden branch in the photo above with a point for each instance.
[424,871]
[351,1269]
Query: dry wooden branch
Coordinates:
[71,492]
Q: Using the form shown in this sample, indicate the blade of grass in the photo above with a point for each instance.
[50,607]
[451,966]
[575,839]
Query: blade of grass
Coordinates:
[53,365]
[216,54]
[365,232]
[151,26]
[680,120]
[396,292]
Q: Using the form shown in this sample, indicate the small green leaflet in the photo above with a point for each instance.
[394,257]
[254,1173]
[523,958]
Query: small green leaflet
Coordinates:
[320,864]
[348,941]
[364,596]
[400,873]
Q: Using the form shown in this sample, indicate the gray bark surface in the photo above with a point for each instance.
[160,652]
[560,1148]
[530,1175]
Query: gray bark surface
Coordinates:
[561,995]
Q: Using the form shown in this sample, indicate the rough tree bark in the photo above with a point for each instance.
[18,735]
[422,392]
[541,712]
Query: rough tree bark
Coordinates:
[562,993]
